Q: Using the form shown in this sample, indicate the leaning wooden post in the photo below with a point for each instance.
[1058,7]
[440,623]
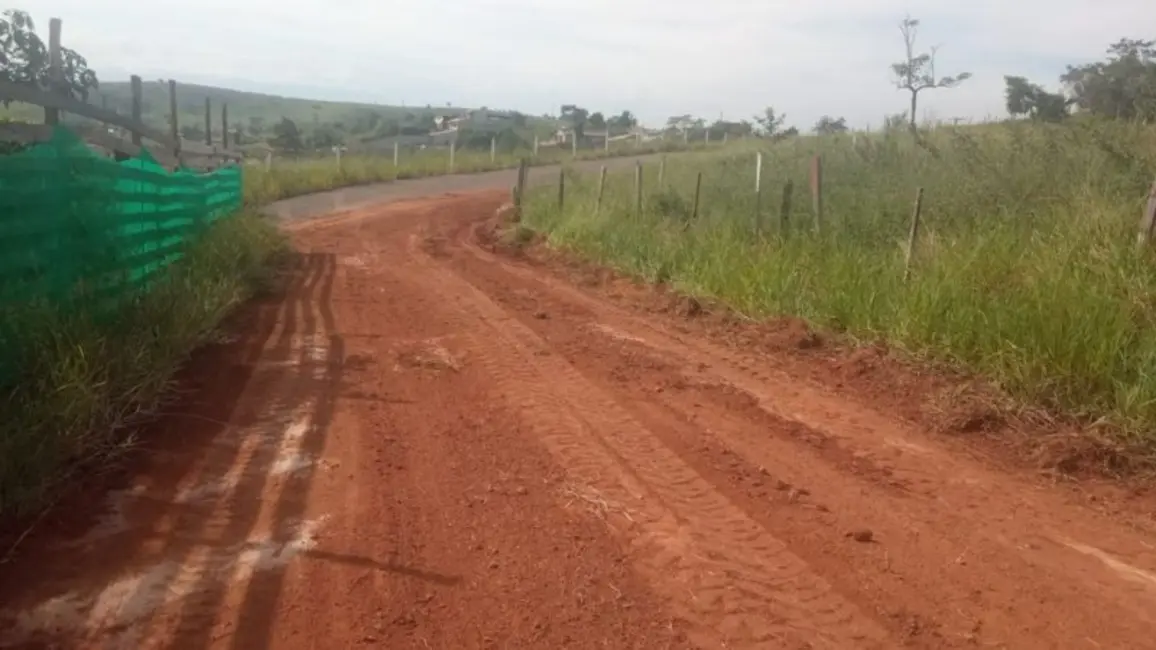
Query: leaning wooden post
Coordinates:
[225,127]
[697,194]
[916,212]
[785,207]
[561,189]
[638,188]
[134,83]
[174,124]
[208,121]
[55,68]
[817,191]
[1148,221]
[601,189]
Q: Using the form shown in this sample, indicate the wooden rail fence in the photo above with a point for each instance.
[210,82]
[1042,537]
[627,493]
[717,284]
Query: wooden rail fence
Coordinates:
[168,148]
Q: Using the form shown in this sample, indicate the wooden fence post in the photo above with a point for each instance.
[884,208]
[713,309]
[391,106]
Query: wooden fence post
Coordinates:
[661,172]
[638,188]
[520,190]
[493,148]
[395,154]
[1148,221]
[817,191]
[208,121]
[535,145]
[785,207]
[916,212]
[136,105]
[759,190]
[225,128]
[174,124]
[697,194]
[574,144]
[453,146]
[601,189]
[55,68]
[606,147]
[561,189]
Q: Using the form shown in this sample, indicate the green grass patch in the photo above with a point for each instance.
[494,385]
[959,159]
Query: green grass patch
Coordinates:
[86,375]
[1025,270]
[289,178]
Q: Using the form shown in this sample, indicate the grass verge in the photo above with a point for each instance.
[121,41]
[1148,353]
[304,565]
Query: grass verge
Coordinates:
[286,179]
[84,381]
[1024,271]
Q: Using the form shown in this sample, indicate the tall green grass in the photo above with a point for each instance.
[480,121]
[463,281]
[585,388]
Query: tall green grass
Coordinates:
[1025,270]
[86,375]
[288,178]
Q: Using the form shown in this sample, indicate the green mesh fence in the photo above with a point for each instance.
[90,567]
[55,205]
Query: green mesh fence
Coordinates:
[80,230]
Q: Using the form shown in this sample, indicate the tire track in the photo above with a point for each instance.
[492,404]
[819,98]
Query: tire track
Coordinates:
[736,585]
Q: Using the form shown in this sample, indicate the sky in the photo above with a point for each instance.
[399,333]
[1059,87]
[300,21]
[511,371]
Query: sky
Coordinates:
[728,58]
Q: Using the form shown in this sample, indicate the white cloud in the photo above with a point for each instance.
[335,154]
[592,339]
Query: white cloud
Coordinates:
[657,59]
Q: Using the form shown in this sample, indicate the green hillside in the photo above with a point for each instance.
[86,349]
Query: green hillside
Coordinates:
[256,113]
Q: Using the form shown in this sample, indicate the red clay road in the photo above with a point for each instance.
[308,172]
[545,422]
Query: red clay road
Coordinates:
[424,443]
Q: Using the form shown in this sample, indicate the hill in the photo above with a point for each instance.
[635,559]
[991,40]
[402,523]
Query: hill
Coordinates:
[256,113]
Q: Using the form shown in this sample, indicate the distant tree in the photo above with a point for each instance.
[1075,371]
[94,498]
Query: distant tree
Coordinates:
[24,58]
[723,127]
[828,125]
[577,117]
[1122,87]
[597,120]
[1031,100]
[680,122]
[770,122]
[895,122]
[256,125]
[287,136]
[519,119]
[193,132]
[789,133]
[916,72]
[624,120]
[326,137]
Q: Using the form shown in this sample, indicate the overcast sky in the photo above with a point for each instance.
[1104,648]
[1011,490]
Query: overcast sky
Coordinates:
[729,57]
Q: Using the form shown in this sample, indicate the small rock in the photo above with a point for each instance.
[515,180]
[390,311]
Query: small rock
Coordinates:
[494,564]
[520,490]
[541,315]
[864,536]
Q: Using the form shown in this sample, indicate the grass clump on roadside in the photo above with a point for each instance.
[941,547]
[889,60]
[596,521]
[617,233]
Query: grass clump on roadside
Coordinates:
[1024,271]
[82,375]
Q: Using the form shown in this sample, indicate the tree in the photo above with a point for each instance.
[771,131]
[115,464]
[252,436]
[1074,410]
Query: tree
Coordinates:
[577,117]
[597,120]
[287,136]
[916,72]
[624,120]
[24,58]
[770,122]
[828,125]
[1122,87]
[1026,98]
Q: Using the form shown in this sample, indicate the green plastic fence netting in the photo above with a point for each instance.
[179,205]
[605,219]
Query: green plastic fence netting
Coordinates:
[79,230]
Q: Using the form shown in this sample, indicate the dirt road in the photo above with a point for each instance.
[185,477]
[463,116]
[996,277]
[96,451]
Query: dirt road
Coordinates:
[427,443]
